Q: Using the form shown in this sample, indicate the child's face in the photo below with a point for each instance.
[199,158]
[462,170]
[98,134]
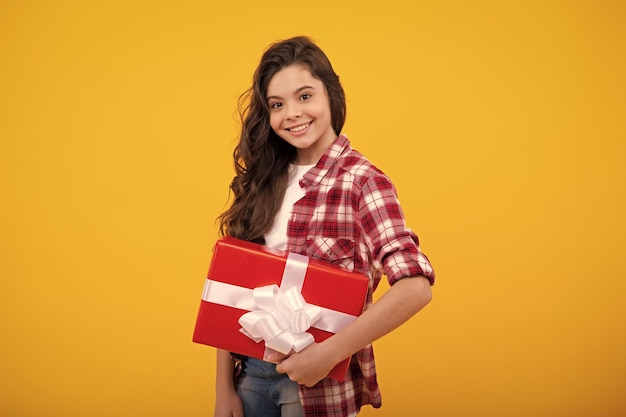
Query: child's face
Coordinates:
[300,112]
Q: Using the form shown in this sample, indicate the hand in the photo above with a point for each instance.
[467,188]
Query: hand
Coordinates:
[309,366]
[228,405]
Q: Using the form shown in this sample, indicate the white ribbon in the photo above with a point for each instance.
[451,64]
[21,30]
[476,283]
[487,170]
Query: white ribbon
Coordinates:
[282,319]
[278,315]
[282,316]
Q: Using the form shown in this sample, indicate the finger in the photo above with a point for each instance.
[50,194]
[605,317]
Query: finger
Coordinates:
[275,357]
[280,368]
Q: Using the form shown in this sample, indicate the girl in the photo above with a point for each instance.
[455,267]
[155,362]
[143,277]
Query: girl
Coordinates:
[300,186]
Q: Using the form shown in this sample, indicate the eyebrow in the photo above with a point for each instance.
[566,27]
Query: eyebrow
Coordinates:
[304,87]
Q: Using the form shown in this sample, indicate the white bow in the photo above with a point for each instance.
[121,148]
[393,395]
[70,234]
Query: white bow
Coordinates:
[281,319]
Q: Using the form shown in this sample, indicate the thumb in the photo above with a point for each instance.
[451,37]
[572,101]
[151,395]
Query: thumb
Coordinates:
[280,368]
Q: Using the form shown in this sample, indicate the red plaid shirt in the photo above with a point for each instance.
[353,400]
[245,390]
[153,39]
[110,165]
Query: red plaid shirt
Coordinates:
[350,216]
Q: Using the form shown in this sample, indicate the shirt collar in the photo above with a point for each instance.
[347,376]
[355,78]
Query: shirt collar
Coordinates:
[340,146]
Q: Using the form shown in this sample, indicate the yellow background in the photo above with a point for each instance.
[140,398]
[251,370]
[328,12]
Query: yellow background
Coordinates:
[501,123]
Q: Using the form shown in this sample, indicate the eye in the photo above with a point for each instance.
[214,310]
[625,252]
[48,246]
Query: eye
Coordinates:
[305,96]
[275,105]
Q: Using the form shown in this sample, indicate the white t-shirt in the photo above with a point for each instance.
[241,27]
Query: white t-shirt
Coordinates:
[276,238]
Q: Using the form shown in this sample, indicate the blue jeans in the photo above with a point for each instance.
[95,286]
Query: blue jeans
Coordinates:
[266,393]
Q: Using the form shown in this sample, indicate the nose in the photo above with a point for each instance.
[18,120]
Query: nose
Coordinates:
[294,111]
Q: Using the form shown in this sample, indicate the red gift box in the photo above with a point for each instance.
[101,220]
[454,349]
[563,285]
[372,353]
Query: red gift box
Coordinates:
[242,270]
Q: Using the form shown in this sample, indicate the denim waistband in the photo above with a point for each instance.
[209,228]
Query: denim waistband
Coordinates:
[257,367]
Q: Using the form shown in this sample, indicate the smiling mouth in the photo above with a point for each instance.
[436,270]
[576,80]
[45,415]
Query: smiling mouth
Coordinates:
[299,128]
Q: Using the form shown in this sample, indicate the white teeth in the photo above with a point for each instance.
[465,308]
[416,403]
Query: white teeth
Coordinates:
[299,128]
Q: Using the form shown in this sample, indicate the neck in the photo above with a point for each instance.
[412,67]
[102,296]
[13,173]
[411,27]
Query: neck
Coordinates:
[312,154]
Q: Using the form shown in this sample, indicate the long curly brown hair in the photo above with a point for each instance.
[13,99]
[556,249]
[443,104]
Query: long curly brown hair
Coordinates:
[261,157]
